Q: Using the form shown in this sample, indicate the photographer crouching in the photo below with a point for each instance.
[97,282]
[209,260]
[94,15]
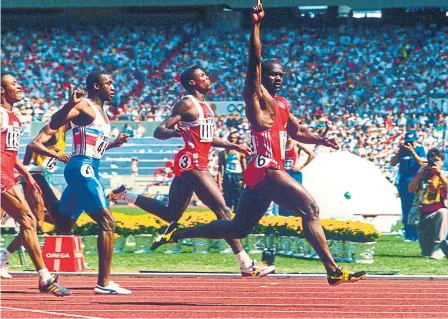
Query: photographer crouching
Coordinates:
[430,186]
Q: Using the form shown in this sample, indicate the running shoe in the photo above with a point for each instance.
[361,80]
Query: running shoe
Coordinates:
[259,269]
[112,289]
[444,247]
[113,195]
[167,237]
[4,271]
[52,286]
[343,275]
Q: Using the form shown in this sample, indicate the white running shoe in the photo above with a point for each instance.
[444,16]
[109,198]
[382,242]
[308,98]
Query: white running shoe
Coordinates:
[4,271]
[112,289]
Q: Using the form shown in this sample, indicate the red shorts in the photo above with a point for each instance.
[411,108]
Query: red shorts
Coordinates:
[7,182]
[256,170]
[187,161]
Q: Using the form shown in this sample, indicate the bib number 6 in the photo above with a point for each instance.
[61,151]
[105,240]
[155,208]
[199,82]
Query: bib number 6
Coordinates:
[261,161]
[184,162]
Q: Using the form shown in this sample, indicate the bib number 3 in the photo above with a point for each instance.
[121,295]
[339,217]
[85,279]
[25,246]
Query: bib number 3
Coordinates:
[184,162]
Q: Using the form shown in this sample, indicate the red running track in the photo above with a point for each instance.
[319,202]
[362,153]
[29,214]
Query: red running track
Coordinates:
[224,297]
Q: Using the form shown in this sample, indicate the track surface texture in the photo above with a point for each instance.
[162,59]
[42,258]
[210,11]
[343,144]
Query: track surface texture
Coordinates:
[221,297]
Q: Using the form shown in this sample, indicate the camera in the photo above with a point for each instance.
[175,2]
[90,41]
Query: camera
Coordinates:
[432,161]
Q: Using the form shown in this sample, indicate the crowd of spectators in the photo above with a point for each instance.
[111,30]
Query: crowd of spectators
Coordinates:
[371,84]
[388,70]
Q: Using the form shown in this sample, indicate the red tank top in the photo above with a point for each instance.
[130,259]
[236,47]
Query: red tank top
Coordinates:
[290,158]
[10,140]
[270,144]
[199,138]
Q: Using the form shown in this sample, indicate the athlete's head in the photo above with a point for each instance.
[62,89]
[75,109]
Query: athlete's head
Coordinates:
[272,76]
[11,90]
[100,84]
[233,137]
[195,79]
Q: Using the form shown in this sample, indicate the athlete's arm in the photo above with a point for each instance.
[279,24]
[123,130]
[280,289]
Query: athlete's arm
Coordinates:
[260,106]
[120,140]
[218,142]
[310,153]
[243,161]
[302,134]
[166,129]
[37,145]
[31,183]
[68,112]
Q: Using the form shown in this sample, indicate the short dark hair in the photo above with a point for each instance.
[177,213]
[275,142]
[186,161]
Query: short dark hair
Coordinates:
[266,64]
[435,152]
[188,75]
[5,74]
[92,78]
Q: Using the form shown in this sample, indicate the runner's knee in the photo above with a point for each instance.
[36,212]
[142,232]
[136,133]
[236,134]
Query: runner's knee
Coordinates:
[27,220]
[108,224]
[312,211]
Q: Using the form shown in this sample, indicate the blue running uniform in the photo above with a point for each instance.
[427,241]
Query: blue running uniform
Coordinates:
[84,191]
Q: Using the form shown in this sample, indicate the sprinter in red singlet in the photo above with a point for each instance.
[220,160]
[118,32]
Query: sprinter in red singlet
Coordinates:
[266,179]
[194,121]
[12,199]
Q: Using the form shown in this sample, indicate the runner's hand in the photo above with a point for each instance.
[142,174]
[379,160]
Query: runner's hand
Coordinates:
[31,184]
[76,97]
[257,13]
[121,139]
[65,158]
[331,142]
[180,130]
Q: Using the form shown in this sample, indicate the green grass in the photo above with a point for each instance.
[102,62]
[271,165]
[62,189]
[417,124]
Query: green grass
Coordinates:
[392,255]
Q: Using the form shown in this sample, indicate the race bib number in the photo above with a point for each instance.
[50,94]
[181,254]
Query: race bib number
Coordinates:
[13,138]
[288,164]
[207,130]
[50,164]
[184,162]
[261,161]
[283,140]
[87,170]
[100,147]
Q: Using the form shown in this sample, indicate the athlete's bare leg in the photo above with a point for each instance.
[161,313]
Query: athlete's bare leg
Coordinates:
[179,197]
[36,204]
[209,193]
[13,202]
[252,205]
[181,191]
[105,243]
[293,197]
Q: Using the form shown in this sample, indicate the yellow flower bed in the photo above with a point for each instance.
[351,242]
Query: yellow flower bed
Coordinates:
[270,225]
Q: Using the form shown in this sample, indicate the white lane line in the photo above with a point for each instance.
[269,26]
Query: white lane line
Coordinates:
[135,295]
[358,288]
[51,313]
[238,276]
[150,292]
[194,304]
